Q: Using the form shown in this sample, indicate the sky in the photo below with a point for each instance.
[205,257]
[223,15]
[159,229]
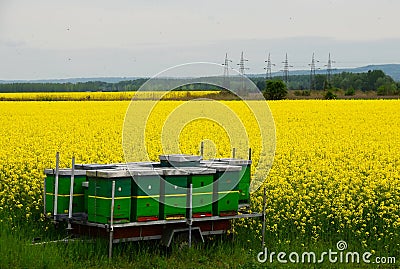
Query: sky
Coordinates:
[49,39]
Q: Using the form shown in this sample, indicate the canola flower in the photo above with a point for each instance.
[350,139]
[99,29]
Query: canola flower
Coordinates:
[335,170]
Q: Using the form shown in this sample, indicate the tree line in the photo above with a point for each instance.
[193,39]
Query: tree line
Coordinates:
[375,80]
[90,86]
[100,86]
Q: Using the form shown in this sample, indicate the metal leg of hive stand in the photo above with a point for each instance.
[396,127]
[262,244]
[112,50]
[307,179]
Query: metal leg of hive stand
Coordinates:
[190,220]
[44,197]
[263,219]
[71,194]
[56,187]
[110,246]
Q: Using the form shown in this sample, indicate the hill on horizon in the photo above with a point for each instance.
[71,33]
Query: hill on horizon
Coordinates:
[392,70]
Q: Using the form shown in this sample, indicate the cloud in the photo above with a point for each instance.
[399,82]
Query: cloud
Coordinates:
[42,63]
[75,38]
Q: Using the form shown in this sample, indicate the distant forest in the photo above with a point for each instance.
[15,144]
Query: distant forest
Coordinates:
[375,80]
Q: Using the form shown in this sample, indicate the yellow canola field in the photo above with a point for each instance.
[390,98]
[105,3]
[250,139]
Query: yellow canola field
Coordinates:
[105,96]
[336,168]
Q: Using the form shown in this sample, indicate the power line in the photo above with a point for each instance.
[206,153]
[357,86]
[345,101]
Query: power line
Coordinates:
[329,68]
[268,73]
[241,64]
[242,69]
[285,70]
[226,83]
[312,72]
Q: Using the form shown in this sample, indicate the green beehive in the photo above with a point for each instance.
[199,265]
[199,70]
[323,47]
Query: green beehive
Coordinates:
[173,193]
[100,195]
[245,178]
[202,184]
[228,203]
[225,190]
[227,183]
[145,193]
[64,184]
[177,182]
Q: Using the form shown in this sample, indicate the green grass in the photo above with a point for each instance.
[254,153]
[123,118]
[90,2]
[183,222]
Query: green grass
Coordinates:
[240,251]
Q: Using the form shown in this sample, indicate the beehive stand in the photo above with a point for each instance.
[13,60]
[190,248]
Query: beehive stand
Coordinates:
[102,200]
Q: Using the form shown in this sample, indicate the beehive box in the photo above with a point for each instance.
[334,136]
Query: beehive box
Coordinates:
[173,193]
[64,184]
[225,190]
[245,177]
[100,195]
[202,184]
[176,188]
[145,193]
